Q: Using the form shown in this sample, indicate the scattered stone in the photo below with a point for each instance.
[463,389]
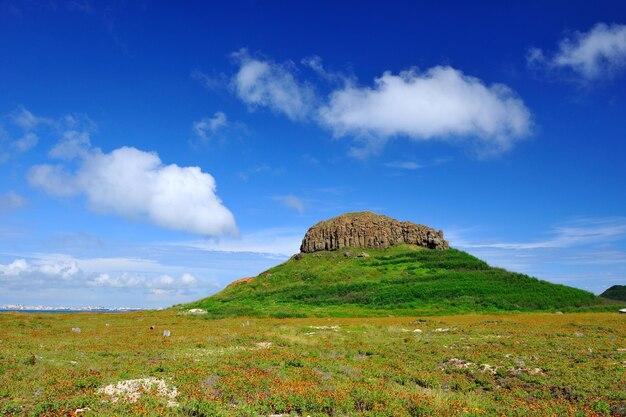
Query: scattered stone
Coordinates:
[559,312]
[456,363]
[132,389]
[325,327]
[166,333]
[76,329]
[363,255]
[82,410]
[417,331]
[298,256]
[348,254]
[489,368]
[197,311]
[579,334]
[441,330]
[107,325]
[369,230]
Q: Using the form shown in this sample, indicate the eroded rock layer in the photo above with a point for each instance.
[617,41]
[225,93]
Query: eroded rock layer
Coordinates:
[369,230]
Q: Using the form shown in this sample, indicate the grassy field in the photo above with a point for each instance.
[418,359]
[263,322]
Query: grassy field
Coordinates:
[401,280]
[525,364]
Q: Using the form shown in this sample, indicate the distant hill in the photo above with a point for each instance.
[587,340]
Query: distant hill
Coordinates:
[390,278]
[616,292]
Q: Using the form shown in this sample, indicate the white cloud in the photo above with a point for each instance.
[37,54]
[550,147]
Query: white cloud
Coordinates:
[27,120]
[599,53]
[440,103]
[54,270]
[276,241]
[582,231]
[11,201]
[15,268]
[264,83]
[408,165]
[74,144]
[291,201]
[127,280]
[136,184]
[206,127]
[26,142]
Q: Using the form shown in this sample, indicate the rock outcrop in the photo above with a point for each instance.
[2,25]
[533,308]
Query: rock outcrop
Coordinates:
[369,230]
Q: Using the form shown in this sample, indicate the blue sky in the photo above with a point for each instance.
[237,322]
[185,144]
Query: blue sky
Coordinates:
[151,153]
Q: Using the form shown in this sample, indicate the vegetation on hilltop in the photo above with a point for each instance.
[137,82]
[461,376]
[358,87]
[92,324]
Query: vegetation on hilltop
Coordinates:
[616,292]
[401,280]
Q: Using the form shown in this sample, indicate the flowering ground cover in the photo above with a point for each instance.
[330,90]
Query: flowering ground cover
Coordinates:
[509,364]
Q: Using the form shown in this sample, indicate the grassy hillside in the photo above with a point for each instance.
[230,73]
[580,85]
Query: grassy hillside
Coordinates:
[401,280]
[616,292]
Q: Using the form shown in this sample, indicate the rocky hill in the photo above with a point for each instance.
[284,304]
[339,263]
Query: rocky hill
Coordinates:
[391,272]
[369,230]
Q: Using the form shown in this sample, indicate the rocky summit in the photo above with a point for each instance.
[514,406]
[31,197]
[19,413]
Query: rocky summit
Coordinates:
[369,230]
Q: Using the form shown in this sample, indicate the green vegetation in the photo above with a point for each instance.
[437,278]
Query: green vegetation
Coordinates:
[616,292]
[491,365]
[401,280]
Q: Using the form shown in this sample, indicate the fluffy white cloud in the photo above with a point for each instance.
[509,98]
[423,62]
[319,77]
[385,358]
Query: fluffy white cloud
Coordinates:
[136,184]
[206,127]
[599,53]
[15,268]
[440,103]
[11,201]
[269,84]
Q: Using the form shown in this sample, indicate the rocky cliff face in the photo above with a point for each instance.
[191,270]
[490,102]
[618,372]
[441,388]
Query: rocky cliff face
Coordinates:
[369,230]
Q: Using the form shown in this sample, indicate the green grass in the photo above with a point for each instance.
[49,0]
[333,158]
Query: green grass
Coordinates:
[401,280]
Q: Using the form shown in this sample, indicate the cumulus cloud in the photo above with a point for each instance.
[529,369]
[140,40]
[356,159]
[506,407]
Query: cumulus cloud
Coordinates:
[440,103]
[599,53]
[207,127]
[136,184]
[291,201]
[11,201]
[265,83]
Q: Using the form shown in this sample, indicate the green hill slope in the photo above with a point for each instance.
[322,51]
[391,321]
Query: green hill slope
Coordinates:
[400,280]
[616,292]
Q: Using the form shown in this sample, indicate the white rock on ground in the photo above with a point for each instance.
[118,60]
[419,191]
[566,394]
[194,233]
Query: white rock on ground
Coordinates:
[132,389]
